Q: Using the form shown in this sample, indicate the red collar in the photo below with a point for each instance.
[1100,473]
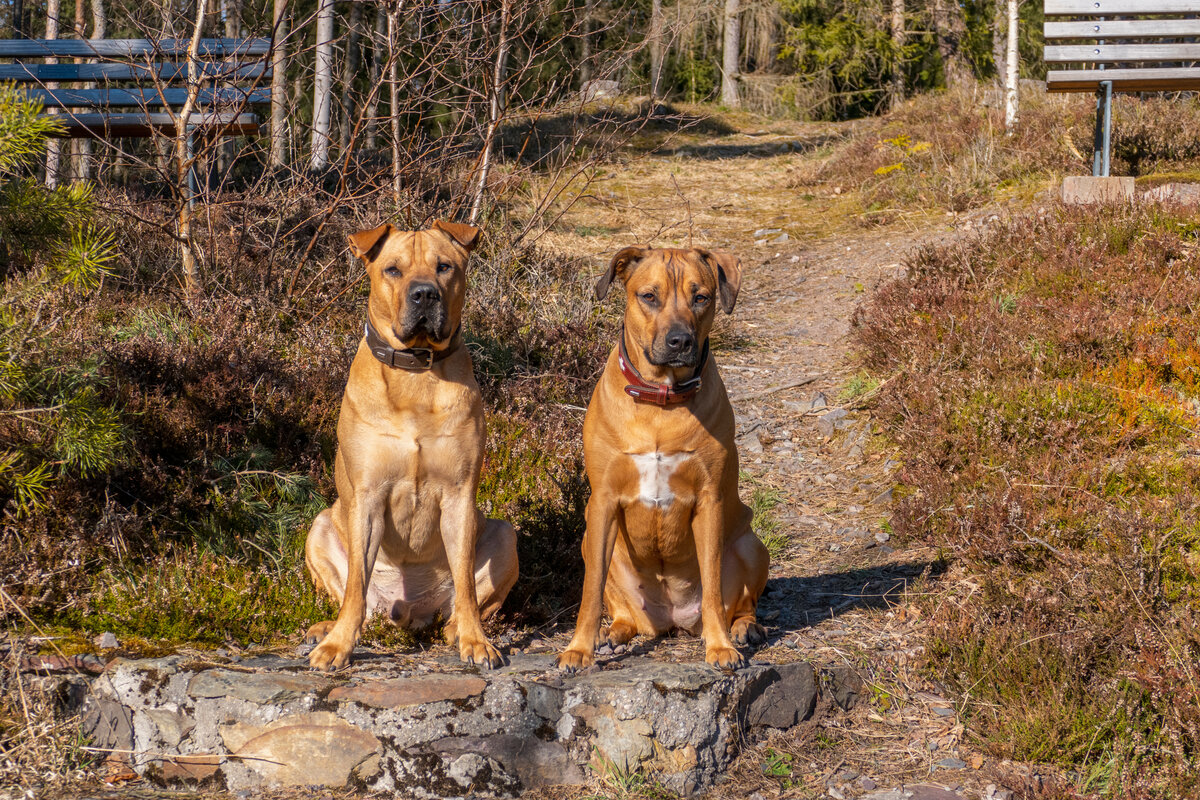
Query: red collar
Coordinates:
[660,394]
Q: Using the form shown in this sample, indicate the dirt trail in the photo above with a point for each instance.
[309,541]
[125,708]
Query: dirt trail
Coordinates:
[839,591]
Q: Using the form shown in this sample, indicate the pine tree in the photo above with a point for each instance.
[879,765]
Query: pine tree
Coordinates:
[52,419]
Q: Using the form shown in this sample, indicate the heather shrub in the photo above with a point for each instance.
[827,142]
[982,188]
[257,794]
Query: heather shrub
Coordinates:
[1045,387]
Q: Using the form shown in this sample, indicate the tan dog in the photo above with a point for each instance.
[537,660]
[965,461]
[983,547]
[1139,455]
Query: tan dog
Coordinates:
[668,541]
[404,538]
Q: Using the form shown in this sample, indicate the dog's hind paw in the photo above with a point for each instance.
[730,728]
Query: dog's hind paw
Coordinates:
[748,632]
[617,634]
[317,632]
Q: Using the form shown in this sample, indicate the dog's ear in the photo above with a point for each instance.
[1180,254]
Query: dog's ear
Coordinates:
[466,235]
[619,265]
[366,244]
[729,276]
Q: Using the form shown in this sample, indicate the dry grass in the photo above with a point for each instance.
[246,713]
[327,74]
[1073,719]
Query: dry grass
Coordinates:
[949,151]
[38,744]
[701,187]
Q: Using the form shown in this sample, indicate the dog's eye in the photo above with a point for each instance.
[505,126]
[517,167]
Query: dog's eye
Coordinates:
[647,298]
[443,268]
[392,272]
[700,300]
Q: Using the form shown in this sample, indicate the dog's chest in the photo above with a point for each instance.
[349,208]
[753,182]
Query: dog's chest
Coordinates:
[658,481]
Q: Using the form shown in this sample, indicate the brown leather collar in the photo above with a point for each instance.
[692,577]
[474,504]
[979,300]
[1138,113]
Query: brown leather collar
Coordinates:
[660,394]
[414,359]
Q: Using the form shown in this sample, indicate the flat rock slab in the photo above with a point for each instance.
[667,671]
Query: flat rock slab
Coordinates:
[1183,193]
[439,729]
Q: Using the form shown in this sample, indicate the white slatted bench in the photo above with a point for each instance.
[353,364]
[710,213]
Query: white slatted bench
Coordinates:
[139,77]
[1121,46]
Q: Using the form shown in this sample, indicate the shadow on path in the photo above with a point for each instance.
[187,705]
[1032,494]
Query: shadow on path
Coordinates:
[803,602]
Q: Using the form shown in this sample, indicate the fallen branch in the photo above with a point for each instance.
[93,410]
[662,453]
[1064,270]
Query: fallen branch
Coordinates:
[774,389]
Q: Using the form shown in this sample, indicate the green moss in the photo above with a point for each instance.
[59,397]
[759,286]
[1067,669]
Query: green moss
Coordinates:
[862,383]
[205,598]
[764,500]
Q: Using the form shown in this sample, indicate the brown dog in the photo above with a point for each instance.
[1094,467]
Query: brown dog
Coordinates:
[404,537]
[668,541]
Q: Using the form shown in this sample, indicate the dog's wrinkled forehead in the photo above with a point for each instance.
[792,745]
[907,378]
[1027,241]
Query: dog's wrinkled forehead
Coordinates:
[676,267]
[443,241]
[421,249]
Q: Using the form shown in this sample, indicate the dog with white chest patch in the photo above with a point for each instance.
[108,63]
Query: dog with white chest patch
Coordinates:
[668,543]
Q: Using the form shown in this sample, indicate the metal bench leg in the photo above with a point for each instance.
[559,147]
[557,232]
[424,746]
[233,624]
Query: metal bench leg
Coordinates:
[1102,157]
[191,175]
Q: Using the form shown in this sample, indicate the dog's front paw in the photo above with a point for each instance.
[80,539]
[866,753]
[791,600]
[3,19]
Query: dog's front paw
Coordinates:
[329,655]
[481,653]
[724,657]
[746,631]
[317,632]
[574,659]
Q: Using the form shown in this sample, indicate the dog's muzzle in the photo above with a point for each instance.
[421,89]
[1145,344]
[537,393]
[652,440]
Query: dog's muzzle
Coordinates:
[677,348]
[424,313]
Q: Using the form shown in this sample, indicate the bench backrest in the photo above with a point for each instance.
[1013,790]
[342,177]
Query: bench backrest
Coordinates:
[144,74]
[1137,55]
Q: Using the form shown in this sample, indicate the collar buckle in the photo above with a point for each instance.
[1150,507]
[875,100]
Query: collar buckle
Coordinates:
[422,358]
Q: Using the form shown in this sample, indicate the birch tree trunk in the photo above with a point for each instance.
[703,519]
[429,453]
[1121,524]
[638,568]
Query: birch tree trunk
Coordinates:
[279,62]
[656,49]
[230,25]
[184,159]
[899,39]
[53,145]
[80,33]
[729,60]
[999,39]
[99,20]
[82,167]
[349,70]
[1013,65]
[378,56]
[585,43]
[322,86]
[393,23]
[495,110]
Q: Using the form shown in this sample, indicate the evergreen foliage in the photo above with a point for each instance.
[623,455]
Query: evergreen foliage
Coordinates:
[52,419]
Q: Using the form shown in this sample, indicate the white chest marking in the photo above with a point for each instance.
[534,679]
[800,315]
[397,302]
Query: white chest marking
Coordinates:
[654,476]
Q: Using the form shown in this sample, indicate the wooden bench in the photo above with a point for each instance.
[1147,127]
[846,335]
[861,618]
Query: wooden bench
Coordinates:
[1150,53]
[143,75]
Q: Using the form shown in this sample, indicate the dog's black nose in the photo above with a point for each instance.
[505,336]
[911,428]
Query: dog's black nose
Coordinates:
[680,340]
[423,294]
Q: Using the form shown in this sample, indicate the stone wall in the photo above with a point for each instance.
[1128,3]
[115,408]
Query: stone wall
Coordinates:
[439,729]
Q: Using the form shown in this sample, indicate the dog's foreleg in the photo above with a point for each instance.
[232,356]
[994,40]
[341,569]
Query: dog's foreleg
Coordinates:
[366,534]
[460,534]
[707,529]
[598,541]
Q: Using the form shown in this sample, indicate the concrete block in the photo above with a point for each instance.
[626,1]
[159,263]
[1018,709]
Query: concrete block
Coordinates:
[1082,190]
